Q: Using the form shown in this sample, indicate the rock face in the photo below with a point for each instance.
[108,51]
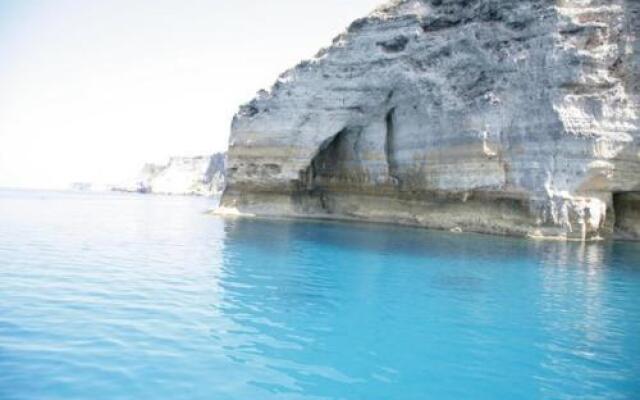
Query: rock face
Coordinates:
[203,176]
[514,117]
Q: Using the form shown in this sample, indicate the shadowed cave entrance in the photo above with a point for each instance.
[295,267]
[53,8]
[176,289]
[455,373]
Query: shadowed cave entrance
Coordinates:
[390,145]
[337,163]
[626,207]
[341,161]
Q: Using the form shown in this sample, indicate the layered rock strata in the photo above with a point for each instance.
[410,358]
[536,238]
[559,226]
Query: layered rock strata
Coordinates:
[515,117]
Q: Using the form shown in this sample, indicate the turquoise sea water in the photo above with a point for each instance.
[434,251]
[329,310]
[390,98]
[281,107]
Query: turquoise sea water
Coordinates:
[140,297]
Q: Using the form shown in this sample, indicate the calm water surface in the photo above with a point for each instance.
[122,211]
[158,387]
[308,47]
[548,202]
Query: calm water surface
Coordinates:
[134,297]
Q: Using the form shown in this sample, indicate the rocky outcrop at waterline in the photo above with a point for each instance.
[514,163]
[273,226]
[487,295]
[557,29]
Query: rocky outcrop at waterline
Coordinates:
[515,117]
[199,176]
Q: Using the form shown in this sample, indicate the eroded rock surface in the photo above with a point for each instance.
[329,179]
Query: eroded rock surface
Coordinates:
[513,116]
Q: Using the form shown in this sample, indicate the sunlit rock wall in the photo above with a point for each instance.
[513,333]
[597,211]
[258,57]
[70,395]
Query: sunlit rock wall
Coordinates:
[202,176]
[514,116]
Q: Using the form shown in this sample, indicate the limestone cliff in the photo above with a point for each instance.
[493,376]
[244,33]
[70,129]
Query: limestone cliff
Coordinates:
[203,176]
[502,116]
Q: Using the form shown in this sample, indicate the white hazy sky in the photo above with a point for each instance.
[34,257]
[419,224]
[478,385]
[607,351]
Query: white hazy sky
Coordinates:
[92,89]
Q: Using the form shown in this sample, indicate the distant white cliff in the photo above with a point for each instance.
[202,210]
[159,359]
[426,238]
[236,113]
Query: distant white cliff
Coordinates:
[199,176]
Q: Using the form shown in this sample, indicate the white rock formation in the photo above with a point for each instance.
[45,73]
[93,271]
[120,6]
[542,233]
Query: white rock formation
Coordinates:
[81,186]
[502,116]
[202,176]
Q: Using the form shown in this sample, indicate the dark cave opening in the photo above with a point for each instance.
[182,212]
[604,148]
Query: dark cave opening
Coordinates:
[337,161]
[626,208]
[390,145]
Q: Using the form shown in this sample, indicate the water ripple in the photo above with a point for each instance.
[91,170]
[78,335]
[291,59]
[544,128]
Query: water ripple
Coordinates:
[131,297]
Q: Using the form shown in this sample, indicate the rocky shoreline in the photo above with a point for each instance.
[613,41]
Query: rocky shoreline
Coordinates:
[515,117]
